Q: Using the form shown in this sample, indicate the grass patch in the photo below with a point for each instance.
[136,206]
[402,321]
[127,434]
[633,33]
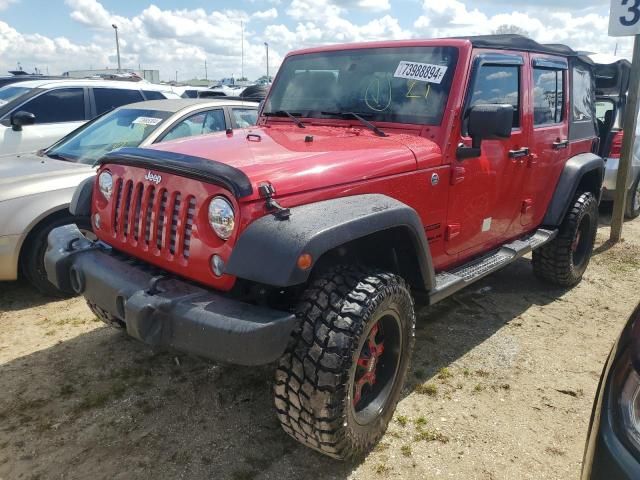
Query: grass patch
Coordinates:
[406,450]
[444,373]
[431,436]
[427,389]
[381,469]
[420,373]
[420,421]
[479,388]
[482,373]
[100,399]
[402,420]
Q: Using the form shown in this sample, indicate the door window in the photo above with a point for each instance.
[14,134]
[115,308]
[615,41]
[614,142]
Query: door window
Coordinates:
[548,96]
[110,98]
[498,84]
[56,106]
[153,95]
[583,98]
[199,123]
[244,117]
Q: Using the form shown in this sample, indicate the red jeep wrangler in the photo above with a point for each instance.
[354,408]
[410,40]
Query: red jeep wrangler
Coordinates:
[380,174]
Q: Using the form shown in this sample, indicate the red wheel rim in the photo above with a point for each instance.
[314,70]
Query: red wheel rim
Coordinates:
[367,363]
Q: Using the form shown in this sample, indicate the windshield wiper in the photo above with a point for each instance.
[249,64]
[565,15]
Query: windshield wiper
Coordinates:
[366,123]
[283,113]
[57,156]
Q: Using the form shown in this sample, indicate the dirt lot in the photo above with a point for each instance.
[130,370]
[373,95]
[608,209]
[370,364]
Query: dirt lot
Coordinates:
[501,387]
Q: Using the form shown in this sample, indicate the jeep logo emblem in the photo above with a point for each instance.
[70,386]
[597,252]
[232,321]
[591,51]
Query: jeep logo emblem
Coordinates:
[153,177]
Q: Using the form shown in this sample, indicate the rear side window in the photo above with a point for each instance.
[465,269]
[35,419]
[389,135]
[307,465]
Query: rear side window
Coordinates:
[57,106]
[583,98]
[548,96]
[244,117]
[110,98]
[153,95]
[498,84]
[199,123]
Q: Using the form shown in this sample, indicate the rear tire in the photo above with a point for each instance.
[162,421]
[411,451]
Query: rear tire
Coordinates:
[32,253]
[338,382]
[564,260]
[632,210]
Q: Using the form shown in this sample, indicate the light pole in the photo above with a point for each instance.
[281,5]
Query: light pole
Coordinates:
[115,27]
[267,45]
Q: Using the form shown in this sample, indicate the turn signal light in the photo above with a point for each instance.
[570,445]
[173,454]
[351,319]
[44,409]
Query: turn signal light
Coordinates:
[305,261]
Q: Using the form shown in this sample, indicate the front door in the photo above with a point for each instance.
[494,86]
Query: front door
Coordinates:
[486,192]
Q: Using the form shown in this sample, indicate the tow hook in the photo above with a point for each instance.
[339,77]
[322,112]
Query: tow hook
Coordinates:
[267,192]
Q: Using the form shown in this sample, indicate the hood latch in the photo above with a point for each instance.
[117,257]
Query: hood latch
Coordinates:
[267,191]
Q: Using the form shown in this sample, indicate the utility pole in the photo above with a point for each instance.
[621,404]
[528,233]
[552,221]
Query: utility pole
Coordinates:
[242,49]
[625,21]
[206,77]
[267,45]
[115,27]
[176,76]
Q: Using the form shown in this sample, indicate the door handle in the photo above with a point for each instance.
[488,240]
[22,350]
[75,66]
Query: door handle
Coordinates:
[559,144]
[522,152]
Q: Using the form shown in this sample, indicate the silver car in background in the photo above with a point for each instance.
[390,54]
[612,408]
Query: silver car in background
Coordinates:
[36,189]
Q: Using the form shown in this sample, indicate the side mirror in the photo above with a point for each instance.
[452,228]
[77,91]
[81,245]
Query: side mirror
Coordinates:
[486,122]
[21,118]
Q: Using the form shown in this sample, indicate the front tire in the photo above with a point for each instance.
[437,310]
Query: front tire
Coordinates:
[35,247]
[338,382]
[564,260]
[632,209]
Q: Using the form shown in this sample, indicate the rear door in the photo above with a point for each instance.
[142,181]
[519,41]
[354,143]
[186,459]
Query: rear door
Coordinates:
[485,195]
[106,99]
[549,146]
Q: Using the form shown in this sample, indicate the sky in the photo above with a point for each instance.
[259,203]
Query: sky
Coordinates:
[61,35]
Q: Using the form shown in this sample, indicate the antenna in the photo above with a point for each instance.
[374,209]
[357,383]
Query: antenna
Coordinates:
[242,49]
[615,51]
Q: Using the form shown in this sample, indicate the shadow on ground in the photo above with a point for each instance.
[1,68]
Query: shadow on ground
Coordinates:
[102,405]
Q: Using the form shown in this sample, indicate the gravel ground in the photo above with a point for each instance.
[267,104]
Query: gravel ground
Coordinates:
[501,387]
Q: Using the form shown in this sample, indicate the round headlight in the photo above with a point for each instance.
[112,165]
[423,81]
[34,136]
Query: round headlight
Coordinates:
[105,183]
[221,217]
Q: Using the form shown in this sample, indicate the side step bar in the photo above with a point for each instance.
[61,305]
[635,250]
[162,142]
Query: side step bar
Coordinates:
[448,283]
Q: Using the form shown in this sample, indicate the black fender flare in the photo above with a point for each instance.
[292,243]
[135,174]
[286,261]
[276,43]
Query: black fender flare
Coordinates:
[574,171]
[81,201]
[268,250]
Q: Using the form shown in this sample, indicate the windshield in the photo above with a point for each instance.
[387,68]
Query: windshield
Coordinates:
[11,92]
[402,85]
[121,128]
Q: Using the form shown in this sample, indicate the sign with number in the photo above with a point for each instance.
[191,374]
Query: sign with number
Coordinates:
[624,18]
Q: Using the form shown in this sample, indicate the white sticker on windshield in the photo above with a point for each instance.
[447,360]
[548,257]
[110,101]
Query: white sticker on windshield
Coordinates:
[147,121]
[424,72]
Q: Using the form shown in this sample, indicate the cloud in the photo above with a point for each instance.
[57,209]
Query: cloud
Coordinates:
[4,4]
[266,14]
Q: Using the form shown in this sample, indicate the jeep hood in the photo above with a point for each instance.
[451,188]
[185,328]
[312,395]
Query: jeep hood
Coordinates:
[30,174]
[296,160]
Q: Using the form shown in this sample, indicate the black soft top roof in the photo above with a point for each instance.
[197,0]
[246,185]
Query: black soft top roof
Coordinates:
[522,43]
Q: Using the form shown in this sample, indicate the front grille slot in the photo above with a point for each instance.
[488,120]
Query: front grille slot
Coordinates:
[158,218]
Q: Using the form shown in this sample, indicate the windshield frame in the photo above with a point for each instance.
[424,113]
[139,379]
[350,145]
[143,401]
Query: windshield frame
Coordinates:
[450,91]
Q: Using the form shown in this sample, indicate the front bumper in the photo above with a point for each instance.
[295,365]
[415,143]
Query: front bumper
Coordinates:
[162,310]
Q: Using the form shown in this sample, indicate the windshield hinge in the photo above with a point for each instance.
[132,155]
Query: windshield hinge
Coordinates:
[267,191]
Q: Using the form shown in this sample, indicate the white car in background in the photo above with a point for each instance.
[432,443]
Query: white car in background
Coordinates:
[34,114]
[36,189]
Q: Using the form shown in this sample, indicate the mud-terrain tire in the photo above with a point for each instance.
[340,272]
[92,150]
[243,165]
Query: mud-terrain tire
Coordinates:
[104,316]
[34,248]
[354,323]
[632,210]
[564,260]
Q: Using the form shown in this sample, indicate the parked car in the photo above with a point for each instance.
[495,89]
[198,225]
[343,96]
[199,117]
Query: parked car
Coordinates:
[36,113]
[612,83]
[18,76]
[40,186]
[612,450]
[379,175]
